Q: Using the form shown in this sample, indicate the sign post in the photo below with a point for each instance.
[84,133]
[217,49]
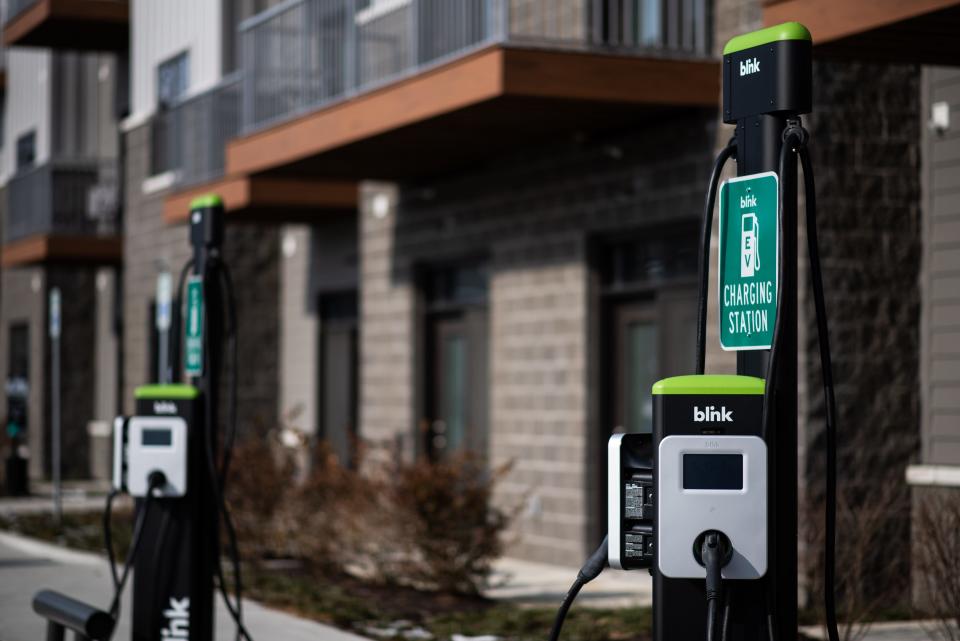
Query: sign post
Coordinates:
[55,326]
[163,321]
[748,259]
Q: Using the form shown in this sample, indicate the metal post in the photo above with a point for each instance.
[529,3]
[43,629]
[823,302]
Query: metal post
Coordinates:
[55,446]
[206,236]
[163,322]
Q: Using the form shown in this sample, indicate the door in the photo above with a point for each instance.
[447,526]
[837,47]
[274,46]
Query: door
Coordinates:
[339,374]
[456,384]
[653,338]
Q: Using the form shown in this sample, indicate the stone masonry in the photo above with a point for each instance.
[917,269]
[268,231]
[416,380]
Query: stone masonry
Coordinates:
[532,216]
[251,252]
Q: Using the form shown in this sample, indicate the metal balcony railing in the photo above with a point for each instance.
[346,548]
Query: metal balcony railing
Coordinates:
[190,136]
[303,54]
[55,198]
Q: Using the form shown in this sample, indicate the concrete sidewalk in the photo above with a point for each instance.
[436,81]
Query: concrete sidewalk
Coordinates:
[540,584]
[27,565]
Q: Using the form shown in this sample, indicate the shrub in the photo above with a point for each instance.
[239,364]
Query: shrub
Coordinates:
[937,531]
[431,525]
[446,525]
[260,478]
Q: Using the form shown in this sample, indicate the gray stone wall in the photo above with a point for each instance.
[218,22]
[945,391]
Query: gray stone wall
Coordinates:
[865,147]
[532,216]
[252,253]
[77,375]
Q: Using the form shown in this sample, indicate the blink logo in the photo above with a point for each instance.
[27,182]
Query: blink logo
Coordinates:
[711,414]
[164,407]
[178,619]
[748,67]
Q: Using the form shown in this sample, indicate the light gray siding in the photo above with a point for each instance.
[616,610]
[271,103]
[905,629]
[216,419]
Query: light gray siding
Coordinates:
[28,80]
[940,322]
[161,30]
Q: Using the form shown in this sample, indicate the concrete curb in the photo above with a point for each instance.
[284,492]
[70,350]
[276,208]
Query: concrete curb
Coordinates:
[36,547]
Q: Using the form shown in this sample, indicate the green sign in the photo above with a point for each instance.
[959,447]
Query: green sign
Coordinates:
[749,252]
[193,330]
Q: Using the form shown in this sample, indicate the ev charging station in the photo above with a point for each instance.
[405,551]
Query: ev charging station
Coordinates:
[169,458]
[708,501]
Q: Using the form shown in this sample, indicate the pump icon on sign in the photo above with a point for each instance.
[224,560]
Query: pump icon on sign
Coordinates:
[749,236]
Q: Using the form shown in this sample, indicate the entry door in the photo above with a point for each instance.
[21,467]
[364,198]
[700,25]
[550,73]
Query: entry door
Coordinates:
[653,338]
[456,385]
[339,374]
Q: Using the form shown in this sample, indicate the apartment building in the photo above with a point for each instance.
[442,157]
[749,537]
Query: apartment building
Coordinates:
[472,224]
[62,228]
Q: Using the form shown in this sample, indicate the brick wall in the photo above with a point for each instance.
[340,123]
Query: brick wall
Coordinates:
[865,147]
[531,216]
[251,252]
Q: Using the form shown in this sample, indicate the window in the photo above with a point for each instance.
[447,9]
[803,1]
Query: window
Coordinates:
[454,392]
[173,79]
[26,150]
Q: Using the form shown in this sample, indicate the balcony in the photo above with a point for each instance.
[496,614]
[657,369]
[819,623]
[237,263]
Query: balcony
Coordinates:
[918,31]
[61,212]
[393,89]
[189,141]
[86,25]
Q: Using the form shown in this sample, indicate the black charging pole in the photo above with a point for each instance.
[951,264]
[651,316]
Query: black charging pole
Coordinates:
[206,237]
[767,78]
[176,563]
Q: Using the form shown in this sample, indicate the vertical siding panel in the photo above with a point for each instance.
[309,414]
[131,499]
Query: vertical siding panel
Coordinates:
[161,30]
[941,259]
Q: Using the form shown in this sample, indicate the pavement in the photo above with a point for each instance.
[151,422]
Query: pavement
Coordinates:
[27,565]
[540,584]
[894,631]
[76,497]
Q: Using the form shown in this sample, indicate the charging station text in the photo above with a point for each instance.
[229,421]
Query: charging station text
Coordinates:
[178,619]
[748,294]
[748,67]
[711,414]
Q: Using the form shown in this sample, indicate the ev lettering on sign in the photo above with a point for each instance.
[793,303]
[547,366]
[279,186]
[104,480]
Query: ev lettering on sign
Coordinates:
[749,256]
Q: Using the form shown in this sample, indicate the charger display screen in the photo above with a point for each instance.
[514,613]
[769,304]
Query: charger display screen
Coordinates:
[713,471]
[156,437]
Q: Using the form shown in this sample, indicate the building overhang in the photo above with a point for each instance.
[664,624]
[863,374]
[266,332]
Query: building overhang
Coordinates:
[914,31]
[87,25]
[267,199]
[55,248]
[472,109]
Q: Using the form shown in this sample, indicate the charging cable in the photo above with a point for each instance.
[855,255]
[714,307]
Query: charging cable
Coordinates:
[217,477]
[715,553]
[155,481]
[795,142]
[730,151]
[590,570]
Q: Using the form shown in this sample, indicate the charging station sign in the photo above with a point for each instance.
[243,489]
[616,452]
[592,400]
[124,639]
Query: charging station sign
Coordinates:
[748,257]
[193,330]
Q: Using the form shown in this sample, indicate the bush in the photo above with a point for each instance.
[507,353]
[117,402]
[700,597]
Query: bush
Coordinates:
[260,478]
[445,522]
[938,563]
[431,525]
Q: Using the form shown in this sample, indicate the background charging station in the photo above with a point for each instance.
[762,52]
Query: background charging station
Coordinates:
[172,591]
